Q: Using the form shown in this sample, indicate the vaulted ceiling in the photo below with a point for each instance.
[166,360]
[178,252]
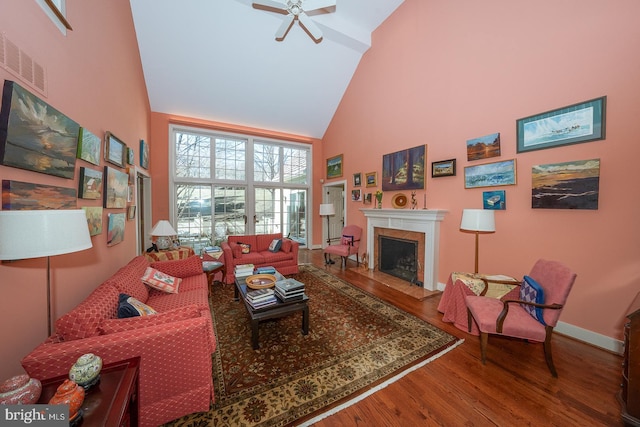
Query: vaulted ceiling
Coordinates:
[219,60]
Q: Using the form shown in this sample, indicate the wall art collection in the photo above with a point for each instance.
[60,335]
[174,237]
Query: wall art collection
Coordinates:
[37,137]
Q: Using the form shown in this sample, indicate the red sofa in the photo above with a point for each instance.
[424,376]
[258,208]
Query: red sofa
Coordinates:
[174,345]
[285,260]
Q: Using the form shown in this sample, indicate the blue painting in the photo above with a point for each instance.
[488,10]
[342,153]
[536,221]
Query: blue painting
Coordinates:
[34,135]
[490,174]
[495,200]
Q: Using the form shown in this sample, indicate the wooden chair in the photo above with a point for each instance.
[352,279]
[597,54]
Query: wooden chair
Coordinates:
[510,317]
[349,245]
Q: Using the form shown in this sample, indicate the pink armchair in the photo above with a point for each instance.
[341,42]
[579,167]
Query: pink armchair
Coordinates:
[349,245]
[510,317]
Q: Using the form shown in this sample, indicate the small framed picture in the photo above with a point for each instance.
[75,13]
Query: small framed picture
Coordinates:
[356,195]
[114,150]
[367,199]
[131,212]
[495,200]
[334,167]
[130,156]
[443,168]
[144,154]
[90,184]
[357,179]
[372,179]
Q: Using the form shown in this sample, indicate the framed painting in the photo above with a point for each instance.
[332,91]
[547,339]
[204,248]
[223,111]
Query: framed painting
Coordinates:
[18,196]
[568,185]
[574,124]
[334,167]
[94,219]
[114,150]
[404,170]
[116,188]
[367,199]
[34,135]
[144,154]
[495,200]
[443,168]
[371,178]
[130,156]
[90,184]
[490,174]
[89,147]
[483,147]
[356,195]
[115,228]
[357,179]
[131,212]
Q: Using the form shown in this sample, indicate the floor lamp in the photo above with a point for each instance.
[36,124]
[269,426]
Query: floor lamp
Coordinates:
[327,209]
[43,233]
[478,221]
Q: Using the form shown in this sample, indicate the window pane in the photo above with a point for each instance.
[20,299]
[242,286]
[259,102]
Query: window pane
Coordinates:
[230,159]
[266,163]
[229,213]
[193,155]
[295,226]
[295,166]
[268,210]
[194,215]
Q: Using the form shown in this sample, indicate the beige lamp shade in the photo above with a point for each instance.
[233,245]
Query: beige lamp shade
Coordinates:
[163,232]
[327,209]
[478,220]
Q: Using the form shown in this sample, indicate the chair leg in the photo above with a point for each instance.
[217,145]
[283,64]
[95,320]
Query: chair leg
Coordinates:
[547,352]
[484,339]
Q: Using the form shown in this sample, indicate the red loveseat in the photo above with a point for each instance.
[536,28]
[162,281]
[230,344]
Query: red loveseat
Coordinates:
[285,260]
[174,345]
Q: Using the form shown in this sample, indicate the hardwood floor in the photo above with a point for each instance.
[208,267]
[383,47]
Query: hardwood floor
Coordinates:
[513,388]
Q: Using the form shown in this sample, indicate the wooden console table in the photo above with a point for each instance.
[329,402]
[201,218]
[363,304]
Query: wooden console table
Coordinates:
[111,402]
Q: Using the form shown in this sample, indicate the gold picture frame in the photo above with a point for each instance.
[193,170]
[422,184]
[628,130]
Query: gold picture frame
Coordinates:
[371,178]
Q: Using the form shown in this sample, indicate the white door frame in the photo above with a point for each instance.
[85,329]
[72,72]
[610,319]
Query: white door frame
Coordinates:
[336,193]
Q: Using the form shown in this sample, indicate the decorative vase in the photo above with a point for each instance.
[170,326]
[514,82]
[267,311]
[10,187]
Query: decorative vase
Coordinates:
[379,204]
[20,390]
[69,393]
[86,371]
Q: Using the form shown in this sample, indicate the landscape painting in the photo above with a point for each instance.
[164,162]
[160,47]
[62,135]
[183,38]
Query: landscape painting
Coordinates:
[90,184]
[19,196]
[34,135]
[116,188]
[483,147]
[115,228]
[404,170]
[568,185]
[490,174]
[89,147]
[94,219]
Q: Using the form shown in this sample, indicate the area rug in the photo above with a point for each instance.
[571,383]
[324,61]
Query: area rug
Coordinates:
[355,342]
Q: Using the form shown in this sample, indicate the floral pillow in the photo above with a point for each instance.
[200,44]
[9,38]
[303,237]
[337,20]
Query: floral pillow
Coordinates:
[531,291]
[161,281]
[246,248]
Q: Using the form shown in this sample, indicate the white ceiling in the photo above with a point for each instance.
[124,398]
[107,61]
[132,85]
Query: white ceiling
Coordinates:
[219,60]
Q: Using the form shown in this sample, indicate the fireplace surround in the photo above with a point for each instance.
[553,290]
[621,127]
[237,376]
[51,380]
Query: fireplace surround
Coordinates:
[422,225]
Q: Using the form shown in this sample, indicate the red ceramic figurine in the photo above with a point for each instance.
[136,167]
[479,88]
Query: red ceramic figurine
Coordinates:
[69,393]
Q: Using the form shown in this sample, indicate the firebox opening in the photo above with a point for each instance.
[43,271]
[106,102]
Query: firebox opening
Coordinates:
[399,257]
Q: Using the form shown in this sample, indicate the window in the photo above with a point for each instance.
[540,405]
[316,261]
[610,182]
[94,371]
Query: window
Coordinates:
[57,11]
[216,192]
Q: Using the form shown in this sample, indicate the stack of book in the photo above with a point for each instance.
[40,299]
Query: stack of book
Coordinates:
[289,289]
[266,270]
[243,270]
[259,298]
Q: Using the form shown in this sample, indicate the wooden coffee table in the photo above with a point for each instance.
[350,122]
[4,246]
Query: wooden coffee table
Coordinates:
[274,311]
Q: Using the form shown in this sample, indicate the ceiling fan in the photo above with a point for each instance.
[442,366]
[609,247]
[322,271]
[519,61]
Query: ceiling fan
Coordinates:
[296,11]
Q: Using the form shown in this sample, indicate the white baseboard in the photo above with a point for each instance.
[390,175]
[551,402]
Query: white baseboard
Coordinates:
[590,337]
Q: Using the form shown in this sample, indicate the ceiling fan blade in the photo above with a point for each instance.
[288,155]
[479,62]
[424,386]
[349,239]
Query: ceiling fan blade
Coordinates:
[285,26]
[269,4]
[310,26]
[310,5]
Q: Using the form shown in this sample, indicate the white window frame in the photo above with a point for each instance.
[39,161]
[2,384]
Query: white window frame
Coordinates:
[56,10]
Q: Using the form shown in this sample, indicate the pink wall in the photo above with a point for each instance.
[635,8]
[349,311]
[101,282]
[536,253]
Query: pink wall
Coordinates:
[440,73]
[95,77]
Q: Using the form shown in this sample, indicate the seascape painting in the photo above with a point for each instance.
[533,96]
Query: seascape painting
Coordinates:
[34,135]
[19,196]
[490,174]
[404,170]
[94,219]
[89,147]
[495,200]
[115,228]
[116,188]
[483,147]
[568,185]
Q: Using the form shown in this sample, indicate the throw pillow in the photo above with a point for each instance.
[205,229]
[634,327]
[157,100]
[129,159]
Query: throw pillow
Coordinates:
[286,245]
[531,291]
[346,240]
[275,245]
[111,326]
[131,307]
[246,248]
[161,281]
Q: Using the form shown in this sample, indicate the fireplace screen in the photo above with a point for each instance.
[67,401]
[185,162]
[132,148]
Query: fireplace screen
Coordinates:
[398,257]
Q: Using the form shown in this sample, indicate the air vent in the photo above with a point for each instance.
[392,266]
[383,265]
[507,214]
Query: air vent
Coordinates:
[22,65]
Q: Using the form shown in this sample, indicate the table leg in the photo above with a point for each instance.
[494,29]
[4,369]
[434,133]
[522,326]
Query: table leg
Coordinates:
[235,293]
[254,335]
[305,320]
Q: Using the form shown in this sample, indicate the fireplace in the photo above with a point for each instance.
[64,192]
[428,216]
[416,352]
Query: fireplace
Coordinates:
[399,257]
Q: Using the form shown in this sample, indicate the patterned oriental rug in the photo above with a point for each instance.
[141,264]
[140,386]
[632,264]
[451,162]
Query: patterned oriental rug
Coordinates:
[355,342]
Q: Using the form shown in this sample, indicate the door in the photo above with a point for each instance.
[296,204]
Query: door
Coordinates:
[334,194]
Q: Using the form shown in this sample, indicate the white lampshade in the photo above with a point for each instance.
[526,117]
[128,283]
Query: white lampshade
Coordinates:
[163,228]
[480,220]
[327,209]
[41,233]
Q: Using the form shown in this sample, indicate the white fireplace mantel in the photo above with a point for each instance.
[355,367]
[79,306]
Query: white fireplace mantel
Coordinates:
[425,221]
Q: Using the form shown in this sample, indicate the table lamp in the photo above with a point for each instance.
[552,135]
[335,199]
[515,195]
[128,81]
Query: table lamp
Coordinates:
[43,233]
[164,234]
[327,209]
[478,221]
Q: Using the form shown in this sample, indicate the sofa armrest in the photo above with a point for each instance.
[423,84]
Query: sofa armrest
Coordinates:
[295,246]
[172,348]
